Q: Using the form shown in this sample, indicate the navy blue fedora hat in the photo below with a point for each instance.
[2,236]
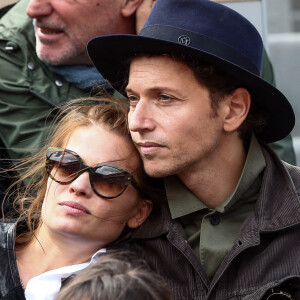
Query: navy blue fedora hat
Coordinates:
[208,31]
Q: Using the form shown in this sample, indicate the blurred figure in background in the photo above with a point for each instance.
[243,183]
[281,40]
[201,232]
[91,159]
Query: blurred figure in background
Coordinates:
[44,63]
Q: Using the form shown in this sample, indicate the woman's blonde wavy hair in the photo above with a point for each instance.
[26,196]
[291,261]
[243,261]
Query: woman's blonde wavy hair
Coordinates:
[89,111]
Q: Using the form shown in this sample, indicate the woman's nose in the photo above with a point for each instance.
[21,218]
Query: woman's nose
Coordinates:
[81,186]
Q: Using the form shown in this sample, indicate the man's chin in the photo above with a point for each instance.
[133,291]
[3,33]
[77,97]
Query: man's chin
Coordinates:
[156,170]
[57,59]
[54,55]
[50,59]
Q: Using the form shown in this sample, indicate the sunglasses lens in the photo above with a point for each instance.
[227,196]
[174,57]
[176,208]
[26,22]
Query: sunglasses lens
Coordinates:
[64,166]
[106,180]
[109,181]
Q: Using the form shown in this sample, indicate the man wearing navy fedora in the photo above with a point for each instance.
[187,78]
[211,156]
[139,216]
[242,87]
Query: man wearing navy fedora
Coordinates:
[228,226]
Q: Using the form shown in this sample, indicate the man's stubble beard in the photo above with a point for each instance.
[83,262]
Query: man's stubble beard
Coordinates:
[67,57]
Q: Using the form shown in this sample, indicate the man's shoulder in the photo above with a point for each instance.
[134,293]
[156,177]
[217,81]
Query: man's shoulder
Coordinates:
[16,16]
[294,172]
[5,8]
[285,174]
[16,35]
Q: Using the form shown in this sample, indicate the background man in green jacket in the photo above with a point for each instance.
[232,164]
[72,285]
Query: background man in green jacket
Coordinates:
[43,63]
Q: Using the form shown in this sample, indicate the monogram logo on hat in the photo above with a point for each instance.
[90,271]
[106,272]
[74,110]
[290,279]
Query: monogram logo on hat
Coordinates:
[184,39]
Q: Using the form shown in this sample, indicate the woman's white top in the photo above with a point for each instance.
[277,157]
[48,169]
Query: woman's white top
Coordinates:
[47,285]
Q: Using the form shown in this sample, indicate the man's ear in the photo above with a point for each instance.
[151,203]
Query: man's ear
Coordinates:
[237,108]
[142,214]
[129,7]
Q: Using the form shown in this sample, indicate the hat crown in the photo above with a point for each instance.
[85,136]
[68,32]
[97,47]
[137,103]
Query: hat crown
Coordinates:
[212,20]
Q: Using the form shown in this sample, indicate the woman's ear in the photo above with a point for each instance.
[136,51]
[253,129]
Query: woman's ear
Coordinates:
[129,7]
[142,214]
[237,108]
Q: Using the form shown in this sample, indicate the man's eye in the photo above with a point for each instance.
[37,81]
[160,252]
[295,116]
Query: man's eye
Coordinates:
[132,99]
[165,98]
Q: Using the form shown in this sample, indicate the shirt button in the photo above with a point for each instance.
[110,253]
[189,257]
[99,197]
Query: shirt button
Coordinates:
[215,220]
[11,46]
[58,83]
[31,66]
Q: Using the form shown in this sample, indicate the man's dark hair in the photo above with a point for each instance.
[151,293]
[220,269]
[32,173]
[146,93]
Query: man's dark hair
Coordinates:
[220,84]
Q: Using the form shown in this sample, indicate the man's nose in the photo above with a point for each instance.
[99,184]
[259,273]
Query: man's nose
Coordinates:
[81,186]
[140,117]
[39,8]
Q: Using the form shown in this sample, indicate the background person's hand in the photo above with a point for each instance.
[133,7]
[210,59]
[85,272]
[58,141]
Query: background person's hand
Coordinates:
[142,13]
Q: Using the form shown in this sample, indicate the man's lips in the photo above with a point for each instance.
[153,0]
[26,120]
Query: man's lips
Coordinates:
[46,33]
[148,147]
[74,208]
[45,30]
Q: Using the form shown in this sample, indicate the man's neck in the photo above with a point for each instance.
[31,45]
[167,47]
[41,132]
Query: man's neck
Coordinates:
[214,179]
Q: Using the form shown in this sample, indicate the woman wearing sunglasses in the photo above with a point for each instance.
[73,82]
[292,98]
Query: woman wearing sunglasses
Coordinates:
[84,194]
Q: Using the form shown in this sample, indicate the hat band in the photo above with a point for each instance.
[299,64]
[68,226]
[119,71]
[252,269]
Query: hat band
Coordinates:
[199,42]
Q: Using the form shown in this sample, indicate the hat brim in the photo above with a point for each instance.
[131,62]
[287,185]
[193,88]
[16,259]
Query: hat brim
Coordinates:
[110,56]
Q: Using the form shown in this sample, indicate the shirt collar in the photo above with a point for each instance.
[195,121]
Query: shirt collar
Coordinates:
[47,285]
[84,77]
[183,202]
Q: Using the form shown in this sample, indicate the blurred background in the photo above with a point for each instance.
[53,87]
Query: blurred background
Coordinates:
[278,21]
[283,38]
[6,2]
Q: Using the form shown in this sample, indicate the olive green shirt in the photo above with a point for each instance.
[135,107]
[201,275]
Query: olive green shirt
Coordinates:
[212,232]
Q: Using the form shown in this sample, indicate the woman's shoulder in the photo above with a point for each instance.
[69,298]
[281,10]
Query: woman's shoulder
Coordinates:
[5,225]
[7,233]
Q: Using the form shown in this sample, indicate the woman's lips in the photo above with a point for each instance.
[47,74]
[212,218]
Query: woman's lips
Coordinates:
[74,208]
